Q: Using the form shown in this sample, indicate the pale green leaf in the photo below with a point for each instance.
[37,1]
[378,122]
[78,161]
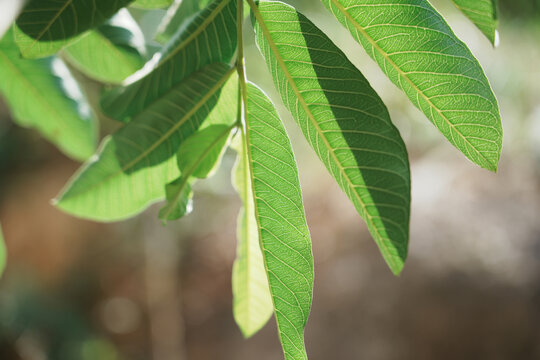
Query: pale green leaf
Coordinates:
[110,53]
[279,212]
[210,37]
[418,51]
[343,119]
[45,26]
[3,253]
[151,4]
[133,165]
[483,13]
[197,157]
[42,95]
[252,302]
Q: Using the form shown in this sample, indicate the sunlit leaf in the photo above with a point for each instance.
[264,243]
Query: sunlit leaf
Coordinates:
[134,164]
[41,94]
[197,157]
[3,253]
[45,26]
[483,13]
[210,37]
[151,4]
[343,119]
[252,302]
[418,51]
[110,53]
[279,212]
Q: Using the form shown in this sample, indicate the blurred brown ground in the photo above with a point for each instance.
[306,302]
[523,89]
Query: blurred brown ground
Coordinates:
[136,290]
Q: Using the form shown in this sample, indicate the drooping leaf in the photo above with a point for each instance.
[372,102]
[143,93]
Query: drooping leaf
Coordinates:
[343,119]
[110,53]
[279,212]
[418,51]
[210,37]
[3,253]
[42,95]
[151,4]
[197,157]
[252,302]
[134,164]
[483,13]
[45,26]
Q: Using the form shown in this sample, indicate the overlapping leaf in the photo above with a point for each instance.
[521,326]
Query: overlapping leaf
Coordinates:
[151,4]
[343,119]
[483,13]
[419,52]
[45,26]
[279,212]
[110,53]
[197,157]
[135,163]
[176,16]
[42,95]
[210,37]
[252,302]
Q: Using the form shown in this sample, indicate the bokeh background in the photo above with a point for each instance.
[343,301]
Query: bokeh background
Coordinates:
[136,290]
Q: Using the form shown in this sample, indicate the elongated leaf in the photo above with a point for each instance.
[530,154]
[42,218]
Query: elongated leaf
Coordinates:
[151,4]
[343,119]
[418,51]
[133,165]
[197,157]
[279,212]
[45,26]
[110,53]
[42,95]
[209,38]
[176,17]
[483,13]
[3,253]
[252,302]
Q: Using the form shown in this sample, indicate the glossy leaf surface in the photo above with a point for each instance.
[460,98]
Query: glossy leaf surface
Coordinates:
[45,26]
[418,51]
[210,37]
[132,166]
[279,212]
[483,13]
[110,53]
[252,302]
[343,119]
[41,94]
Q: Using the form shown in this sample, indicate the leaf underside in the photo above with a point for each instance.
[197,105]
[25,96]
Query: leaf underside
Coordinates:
[418,51]
[45,26]
[38,98]
[483,13]
[279,212]
[344,121]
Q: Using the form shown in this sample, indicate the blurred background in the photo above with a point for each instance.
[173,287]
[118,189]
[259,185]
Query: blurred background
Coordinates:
[136,290]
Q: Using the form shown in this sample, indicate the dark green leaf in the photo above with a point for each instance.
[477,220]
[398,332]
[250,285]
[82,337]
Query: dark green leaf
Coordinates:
[483,13]
[45,26]
[210,37]
[110,53]
[279,212]
[418,51]
[343,119]
[42,95]
[177,15]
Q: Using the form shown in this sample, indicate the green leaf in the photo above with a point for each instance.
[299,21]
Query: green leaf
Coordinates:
[252,302]
[45,26]
[343,119]
[197,157]
[210,37]
[279,212]
[42,95]
[3,253]
[151,4]
[483,13]
[135,163]
[418,51]
[177,15]
[112,52]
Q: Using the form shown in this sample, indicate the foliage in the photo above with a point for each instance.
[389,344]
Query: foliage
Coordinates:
[180,110]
